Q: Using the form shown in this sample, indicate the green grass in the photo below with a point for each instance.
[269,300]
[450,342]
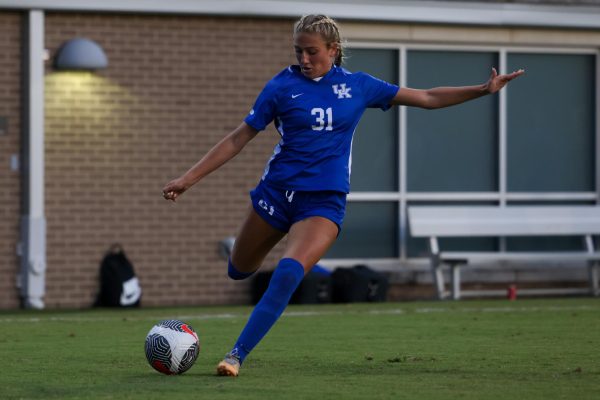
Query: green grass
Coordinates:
[528,349]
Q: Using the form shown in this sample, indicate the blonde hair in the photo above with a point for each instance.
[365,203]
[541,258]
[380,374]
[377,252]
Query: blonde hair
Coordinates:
[324,26]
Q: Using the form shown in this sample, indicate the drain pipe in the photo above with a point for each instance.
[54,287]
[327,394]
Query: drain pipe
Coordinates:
[32,248]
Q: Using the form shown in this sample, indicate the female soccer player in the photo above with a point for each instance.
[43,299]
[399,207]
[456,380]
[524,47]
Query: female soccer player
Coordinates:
[315,106]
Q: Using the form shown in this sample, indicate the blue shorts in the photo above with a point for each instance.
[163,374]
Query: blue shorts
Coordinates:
[283,208]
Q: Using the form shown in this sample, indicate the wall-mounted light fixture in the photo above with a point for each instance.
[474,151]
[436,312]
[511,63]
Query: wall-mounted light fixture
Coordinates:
[80,55]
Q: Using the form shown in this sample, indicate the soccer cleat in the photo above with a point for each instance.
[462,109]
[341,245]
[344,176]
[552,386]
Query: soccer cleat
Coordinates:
[230,366]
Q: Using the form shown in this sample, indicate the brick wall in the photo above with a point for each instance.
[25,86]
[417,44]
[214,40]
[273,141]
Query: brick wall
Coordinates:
[173,88]
[10,108]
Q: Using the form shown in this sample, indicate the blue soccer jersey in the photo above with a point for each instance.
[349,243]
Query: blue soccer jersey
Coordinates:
[316,121]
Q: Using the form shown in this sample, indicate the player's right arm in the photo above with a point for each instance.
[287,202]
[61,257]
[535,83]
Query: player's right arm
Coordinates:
[222,152]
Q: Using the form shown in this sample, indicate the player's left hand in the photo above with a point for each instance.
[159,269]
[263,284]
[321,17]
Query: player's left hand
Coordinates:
[497,82]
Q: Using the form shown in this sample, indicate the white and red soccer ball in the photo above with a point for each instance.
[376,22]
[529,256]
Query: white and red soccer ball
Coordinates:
[172,347]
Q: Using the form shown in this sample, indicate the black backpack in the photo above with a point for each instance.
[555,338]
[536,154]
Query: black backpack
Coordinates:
[119,287]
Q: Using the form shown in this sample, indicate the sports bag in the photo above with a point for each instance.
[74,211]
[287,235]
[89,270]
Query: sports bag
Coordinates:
[358,284]
[119,286]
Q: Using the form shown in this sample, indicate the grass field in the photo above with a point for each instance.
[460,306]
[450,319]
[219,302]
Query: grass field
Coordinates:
[496,349]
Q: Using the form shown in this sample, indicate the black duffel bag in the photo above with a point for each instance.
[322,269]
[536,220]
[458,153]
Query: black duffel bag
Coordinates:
[315,288]
[358,284]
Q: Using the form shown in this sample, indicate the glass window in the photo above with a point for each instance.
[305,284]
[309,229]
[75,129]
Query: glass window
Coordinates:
[370,230]
[452,149]
[550,127]
[375,145]
[550,146]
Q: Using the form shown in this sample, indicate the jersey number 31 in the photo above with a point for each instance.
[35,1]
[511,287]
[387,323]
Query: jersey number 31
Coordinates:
[320,114]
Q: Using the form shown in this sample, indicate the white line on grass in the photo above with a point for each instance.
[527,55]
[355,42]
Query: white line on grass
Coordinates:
[503,309]
[384,311]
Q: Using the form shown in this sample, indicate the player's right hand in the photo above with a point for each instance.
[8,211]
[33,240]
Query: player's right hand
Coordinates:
[174,189]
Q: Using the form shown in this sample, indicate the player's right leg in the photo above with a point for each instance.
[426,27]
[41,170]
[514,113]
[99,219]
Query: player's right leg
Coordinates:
[254,241]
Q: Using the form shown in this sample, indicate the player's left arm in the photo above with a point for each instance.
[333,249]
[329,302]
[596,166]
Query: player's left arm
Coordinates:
[440,97]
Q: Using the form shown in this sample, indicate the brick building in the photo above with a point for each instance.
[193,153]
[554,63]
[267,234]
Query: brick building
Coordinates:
[183,74]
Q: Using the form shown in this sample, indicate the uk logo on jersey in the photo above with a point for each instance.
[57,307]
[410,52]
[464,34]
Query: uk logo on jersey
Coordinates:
[342,91]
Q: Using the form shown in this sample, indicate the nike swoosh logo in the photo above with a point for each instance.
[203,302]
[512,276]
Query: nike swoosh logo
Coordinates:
[296,95]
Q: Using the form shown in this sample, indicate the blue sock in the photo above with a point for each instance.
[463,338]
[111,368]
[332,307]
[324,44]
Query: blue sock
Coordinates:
[285,280]
[235,274]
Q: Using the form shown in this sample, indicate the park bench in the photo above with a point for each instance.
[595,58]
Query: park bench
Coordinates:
[434,222]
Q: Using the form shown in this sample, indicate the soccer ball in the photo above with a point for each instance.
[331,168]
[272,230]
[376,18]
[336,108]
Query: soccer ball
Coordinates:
[172,347]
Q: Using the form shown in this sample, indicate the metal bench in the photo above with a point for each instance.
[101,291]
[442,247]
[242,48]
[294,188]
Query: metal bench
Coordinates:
[435,222]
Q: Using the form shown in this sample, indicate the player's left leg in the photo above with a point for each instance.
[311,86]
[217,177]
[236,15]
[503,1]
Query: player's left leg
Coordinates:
[308,241]
[254,241]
